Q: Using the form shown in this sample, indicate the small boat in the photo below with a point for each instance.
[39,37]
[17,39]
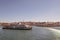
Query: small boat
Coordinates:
[19,27]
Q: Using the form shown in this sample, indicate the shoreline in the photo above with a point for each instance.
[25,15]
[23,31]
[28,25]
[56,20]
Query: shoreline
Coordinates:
[39,24]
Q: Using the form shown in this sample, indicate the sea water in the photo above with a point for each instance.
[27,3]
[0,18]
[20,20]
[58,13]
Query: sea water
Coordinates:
[37,33]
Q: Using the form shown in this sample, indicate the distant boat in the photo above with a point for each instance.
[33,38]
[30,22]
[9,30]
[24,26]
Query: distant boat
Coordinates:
[20,27]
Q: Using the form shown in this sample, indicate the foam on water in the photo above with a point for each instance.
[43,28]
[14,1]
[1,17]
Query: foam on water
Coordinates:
[56,32]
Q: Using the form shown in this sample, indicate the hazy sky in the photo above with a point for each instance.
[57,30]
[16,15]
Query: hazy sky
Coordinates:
[29,10]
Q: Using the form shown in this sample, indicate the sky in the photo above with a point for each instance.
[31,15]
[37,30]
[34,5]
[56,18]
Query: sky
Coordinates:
[29,10]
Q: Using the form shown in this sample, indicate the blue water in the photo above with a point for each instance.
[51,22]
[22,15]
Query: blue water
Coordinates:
[37,33]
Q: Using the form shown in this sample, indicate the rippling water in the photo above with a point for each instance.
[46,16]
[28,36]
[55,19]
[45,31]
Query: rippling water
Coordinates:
[37,33]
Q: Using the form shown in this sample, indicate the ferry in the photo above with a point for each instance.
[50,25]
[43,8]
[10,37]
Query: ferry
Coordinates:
[19,27]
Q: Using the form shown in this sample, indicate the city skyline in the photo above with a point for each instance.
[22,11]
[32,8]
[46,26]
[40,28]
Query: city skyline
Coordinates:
[29,10]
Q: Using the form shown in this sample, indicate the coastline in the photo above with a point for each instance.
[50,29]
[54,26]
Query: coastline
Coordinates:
[40,24]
